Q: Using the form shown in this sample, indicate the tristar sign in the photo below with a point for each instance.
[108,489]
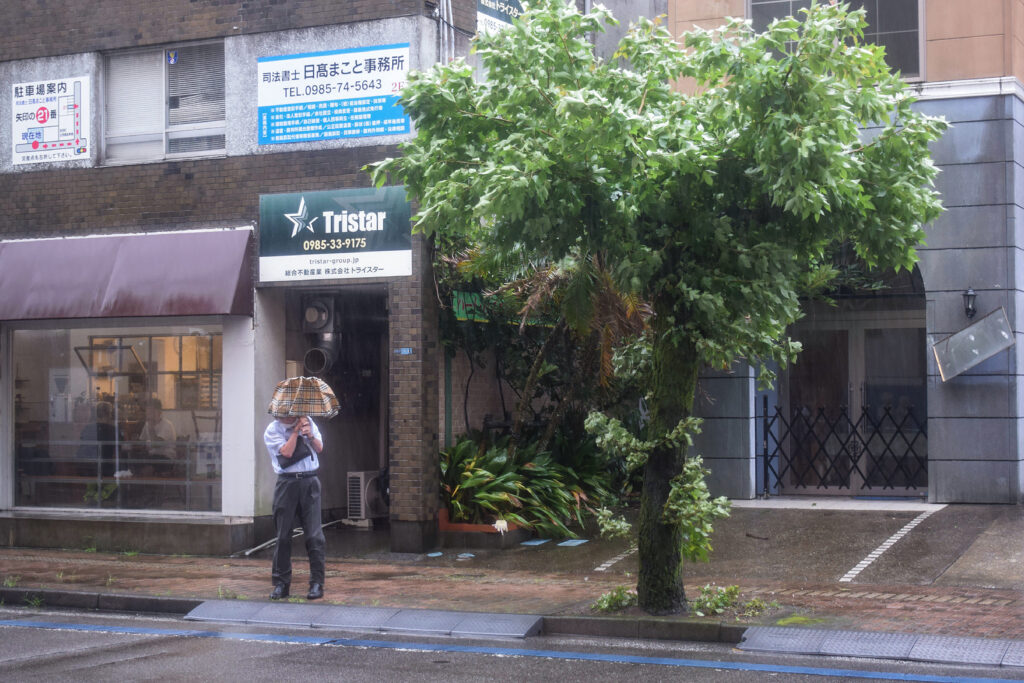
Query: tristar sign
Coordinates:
[338,234]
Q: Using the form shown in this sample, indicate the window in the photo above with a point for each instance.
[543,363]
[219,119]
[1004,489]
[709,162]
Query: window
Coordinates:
[165,103]
[893,24]
[123,418]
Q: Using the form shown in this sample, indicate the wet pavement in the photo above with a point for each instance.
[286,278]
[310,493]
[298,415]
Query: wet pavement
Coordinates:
[957,571]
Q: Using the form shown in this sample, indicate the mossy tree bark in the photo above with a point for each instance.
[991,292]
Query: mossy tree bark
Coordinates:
[676,366]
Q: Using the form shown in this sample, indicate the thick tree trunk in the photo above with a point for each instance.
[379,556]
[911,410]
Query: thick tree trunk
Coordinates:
[676,366]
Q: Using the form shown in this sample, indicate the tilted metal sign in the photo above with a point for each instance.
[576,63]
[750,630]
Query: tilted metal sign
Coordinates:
[976,343]
[335,234]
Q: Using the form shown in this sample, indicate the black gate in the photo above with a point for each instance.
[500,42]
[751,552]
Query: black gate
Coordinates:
[827,449]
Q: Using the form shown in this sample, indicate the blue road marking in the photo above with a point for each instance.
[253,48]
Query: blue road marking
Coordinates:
[507,652]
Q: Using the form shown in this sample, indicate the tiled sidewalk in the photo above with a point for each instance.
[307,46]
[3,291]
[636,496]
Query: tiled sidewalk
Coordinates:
[975,612]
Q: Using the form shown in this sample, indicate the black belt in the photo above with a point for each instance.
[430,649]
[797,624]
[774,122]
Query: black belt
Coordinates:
[297,475]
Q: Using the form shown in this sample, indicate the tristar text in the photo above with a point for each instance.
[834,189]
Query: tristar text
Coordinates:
[364,221]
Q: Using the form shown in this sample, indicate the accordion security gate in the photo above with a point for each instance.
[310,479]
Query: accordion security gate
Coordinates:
[881,451]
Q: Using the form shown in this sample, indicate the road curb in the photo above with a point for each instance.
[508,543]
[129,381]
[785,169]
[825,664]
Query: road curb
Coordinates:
[119,602]
[646,628]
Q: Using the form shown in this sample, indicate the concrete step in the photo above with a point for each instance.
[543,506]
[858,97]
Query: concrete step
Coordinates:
[378,619]
[903,646]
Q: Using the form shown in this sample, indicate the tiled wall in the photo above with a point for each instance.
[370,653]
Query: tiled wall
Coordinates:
[196,193]
[975,419]
[35,28]
[413,406]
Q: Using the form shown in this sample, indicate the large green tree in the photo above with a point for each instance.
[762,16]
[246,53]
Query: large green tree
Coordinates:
[718,208]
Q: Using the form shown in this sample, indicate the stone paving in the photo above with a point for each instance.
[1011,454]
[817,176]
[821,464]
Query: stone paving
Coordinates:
[957,574]
[939,610]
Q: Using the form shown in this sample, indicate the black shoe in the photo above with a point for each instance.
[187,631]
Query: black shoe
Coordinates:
[280,591]
[316,591]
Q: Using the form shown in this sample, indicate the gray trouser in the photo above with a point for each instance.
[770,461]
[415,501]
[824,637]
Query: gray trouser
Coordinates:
[297,500]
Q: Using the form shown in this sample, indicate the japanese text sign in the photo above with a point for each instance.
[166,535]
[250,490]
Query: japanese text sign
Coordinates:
[332,95]
[496,15]
[50,120]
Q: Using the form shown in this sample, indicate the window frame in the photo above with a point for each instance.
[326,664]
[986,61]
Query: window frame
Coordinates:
[169,131]
[921,76]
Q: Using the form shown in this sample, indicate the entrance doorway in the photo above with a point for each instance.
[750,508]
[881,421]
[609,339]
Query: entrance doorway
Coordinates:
[857,407]
[852,411]
[340,335]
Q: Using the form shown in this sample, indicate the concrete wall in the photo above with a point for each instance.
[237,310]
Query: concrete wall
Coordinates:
[726,402]
[39,70]
[974,421]
[269,368]
[627,12]
[238,456]
[240,60]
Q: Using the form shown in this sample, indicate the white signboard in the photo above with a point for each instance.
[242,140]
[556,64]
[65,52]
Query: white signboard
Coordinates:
[496,15]
[332,95]
[50,120]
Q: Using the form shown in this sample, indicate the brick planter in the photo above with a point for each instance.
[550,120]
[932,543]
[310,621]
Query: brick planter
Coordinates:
[481,536]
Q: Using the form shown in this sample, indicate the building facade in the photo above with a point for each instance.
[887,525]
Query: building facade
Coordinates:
[185,222]
[867,410]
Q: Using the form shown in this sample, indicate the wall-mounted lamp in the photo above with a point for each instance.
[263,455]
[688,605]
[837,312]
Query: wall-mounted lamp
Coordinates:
[969,296]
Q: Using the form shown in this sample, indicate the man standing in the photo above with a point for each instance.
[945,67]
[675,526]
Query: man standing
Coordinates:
[158,432]
[294,444]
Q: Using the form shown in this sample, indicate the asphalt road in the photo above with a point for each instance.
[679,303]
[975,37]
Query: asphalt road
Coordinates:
[51,646]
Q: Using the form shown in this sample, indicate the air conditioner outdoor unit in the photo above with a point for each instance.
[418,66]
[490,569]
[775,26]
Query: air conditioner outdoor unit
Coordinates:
[364,496]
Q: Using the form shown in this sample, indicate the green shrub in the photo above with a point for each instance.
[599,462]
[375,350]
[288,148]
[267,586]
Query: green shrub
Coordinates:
[619,598]
[714,600]
[483,482]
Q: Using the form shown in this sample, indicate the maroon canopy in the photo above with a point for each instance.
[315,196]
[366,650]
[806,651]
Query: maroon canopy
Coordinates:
[205,272]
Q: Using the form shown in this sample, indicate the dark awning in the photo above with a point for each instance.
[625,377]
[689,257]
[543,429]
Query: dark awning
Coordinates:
[206,272]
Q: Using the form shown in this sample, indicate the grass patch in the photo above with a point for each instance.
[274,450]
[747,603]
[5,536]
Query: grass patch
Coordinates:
[228,594]
[798,620]
[755,607]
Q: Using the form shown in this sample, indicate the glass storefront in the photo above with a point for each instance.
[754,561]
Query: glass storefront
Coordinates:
[118,418]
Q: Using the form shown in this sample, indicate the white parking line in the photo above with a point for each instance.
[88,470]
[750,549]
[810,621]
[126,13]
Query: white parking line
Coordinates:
[877,552]
[618,558]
